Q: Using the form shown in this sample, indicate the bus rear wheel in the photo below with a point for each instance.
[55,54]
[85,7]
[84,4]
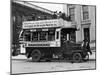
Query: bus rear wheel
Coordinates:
[36,55]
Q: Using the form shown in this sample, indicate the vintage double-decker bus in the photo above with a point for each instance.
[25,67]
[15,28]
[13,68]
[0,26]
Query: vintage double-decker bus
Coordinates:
[48,39]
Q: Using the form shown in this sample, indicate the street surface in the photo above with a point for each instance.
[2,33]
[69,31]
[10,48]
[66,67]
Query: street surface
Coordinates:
[22,65]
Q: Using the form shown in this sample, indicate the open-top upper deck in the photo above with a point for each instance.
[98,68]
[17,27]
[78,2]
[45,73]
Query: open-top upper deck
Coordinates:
[53,23]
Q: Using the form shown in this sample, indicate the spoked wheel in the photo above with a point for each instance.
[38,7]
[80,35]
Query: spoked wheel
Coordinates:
[77,57]
[36,55]
[86,58]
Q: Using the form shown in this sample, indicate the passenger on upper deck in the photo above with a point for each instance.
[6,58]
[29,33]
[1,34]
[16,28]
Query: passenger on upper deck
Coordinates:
[54,16]
[64,16]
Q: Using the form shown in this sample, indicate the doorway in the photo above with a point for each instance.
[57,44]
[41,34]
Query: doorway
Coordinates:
[87,34]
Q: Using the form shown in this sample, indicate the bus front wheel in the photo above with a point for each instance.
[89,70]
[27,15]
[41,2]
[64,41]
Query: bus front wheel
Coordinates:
[77,57]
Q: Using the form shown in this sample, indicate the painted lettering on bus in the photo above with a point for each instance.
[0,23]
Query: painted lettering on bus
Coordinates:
[38,44]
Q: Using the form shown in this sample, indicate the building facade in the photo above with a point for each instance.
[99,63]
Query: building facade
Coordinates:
[84,17]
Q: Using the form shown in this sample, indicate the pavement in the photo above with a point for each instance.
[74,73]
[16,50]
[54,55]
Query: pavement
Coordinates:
[93,46]
[24,65]
[93,56]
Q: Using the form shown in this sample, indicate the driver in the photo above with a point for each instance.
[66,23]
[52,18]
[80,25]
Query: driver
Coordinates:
[86,46]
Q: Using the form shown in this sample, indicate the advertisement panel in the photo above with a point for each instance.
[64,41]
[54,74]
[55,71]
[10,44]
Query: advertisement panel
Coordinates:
[41,24]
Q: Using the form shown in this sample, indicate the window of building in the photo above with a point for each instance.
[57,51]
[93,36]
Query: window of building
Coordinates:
[85,12]
[72,14]
[87,34]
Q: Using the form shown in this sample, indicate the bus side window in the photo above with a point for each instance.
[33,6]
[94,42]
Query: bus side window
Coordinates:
[51,36]
[27,37]
[35,36]
[57,37]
